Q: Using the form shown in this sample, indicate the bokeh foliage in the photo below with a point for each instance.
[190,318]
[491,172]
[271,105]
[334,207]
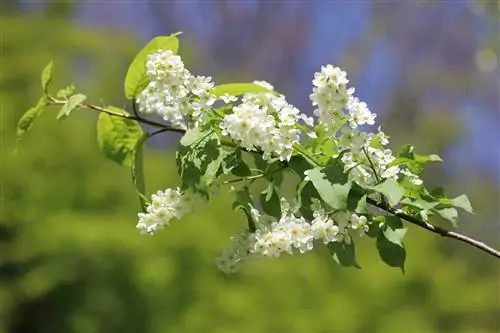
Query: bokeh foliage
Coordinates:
[72,261]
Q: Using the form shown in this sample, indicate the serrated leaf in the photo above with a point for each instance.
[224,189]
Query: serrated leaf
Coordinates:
[270,202]
[26,121]
[449,214]
[344,253]
[138,169]
[117,136]
[71,104]
[390,189]
[239,89]
[137,79]
[331,183]
[391,253]
[46,77]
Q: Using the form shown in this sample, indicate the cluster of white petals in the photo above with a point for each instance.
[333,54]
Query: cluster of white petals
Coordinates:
[173,92]
[341,113]
[290,234]
[265,122]
[164,206]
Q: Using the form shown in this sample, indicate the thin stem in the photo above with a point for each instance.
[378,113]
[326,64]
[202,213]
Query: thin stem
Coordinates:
[305,154]
[371,165]
[134,109]
[435,229]
[120,115]
[237,180]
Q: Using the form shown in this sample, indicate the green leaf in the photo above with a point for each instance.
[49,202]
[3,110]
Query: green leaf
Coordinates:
[71,104]
[406,151]
[462,202]
[414,162]
[449,214]
[46,77]
[427,158]
[241,169]
[305,193]
[26,121]
[66,91]
[230,161]
[270,202]
[391,253]
[199,158]
[244,202]
[394,231]
[137,79]
[356,200]
[344,253]
[331,183]
[419,204]
[117,136]
[390,189]
[138,169]
[299,165]
[239,89]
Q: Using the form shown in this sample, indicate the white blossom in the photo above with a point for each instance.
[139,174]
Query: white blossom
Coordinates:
[164,206]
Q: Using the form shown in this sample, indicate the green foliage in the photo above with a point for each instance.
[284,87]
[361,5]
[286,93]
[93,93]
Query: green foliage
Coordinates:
[138,169]
[136,79]
[390,242]
[117,136]
[331,184]
[413,161]
[270,201]
[46,77]
[26,121]
[344,253]
[71,104]
[390,189]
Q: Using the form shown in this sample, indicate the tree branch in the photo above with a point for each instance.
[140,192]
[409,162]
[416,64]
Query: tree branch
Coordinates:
[437,230]
[411,219]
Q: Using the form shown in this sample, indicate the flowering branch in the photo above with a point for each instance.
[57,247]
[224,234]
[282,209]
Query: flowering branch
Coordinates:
[408,218]
[435,229]
[341,169]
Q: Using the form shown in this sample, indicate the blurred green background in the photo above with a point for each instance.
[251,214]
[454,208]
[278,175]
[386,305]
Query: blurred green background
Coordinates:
[71,259]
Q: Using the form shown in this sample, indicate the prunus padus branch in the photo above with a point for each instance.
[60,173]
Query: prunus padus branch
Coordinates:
[251,132]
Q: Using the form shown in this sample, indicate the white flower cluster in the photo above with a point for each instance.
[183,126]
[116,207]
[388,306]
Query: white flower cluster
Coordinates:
[173,92]
[266,122]
[337,106]
[164,206]
[289,234]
